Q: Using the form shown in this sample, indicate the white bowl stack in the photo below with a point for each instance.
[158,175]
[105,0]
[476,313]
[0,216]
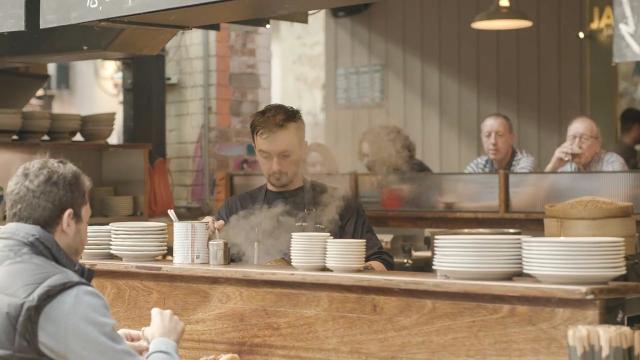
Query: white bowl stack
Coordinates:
[308,250]
[114,206]
[574,260]
[64,126]
[138,241]
[345,255]
[97,127]
[10,123]
[99,243]
[35,125]
[477,257]
[190,242]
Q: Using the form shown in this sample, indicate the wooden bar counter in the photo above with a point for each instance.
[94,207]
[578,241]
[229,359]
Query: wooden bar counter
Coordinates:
[278,313]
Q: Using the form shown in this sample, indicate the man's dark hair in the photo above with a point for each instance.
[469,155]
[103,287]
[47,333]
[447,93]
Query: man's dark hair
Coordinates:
[628,119]
[274,117]
[42,190]
[500,116]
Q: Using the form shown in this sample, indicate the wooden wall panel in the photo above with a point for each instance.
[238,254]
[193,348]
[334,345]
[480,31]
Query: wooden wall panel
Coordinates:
[442,78]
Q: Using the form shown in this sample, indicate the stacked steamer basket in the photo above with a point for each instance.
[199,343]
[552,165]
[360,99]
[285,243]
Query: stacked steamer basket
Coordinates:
[345,255]
[308,250]
[97,127]
[35,125]
[10,123]
[98,244]
[138,241]
[478,257]
[578,260]
[64,127]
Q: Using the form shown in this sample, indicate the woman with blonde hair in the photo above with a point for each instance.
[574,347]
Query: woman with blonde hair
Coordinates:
[320,160]
[387,149]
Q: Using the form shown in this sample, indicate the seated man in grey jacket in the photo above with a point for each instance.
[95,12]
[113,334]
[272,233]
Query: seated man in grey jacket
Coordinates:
[48,308]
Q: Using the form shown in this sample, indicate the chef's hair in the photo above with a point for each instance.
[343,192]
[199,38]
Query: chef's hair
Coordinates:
[274,117]
[42,190]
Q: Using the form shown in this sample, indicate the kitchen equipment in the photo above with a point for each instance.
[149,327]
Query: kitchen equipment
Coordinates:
[190,242]
[219,252]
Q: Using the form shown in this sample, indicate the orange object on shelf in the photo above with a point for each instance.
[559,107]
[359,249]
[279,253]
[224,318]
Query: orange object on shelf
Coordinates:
[160,196]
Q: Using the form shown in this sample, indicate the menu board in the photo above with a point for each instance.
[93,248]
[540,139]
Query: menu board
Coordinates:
[360,85]
[66,12]
[12,15]
[626,38]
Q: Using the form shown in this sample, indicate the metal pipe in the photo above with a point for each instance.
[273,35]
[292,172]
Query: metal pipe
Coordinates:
[205,119]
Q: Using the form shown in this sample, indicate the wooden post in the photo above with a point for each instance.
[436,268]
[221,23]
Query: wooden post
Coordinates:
[503,191]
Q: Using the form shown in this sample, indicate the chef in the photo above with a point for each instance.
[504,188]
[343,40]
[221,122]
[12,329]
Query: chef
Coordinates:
[278,133]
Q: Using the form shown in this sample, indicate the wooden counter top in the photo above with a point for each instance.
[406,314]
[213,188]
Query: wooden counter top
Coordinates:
[427,282]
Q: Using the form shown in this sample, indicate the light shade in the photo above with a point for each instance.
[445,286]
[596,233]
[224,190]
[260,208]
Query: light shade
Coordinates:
[501,16]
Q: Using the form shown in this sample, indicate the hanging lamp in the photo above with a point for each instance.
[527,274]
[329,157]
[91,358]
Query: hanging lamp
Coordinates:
[501,16]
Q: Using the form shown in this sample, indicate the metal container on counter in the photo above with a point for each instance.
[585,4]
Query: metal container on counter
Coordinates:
[219,252]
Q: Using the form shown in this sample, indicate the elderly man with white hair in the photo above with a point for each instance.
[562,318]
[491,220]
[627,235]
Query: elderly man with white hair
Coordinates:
[582,150]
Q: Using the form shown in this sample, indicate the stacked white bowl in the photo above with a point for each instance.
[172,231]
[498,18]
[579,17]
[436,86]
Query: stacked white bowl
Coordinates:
[308,250]
[477,257]
[64,126]
[99,243]
[35,125]
[10,123]
[97,127]
[574,260]
[345,255]
[114,206]
[138,241]
[190,242]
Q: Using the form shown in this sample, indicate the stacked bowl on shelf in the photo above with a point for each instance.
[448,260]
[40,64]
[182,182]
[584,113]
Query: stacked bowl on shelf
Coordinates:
[308,250]
[97,127]
[97,194]
[478,257]
[98,244]
[116,206]
[138,241]
[10,123]
[35,125]
[64,127]
[345,255]
[574,260]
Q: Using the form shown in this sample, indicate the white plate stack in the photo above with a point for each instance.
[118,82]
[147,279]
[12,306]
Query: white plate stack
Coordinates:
[346,255]
[99,243]
[477,257]
[190,242]
[574,260]
[138,241]
[308,250]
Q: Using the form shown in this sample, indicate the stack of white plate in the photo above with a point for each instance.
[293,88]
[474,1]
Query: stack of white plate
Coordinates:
[10,123]
[117,205]
[35,125]
[138,241]
[477,257]
[99,244]
[64,126]
[574,260]
[345,255]
[308,250]
[97,127]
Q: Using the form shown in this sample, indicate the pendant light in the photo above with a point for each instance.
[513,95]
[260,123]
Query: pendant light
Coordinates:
[501,16]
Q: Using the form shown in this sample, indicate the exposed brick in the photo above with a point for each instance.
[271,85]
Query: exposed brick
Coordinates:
[243,108]
[223,92]
[244,80]
[180,150]
[222,78]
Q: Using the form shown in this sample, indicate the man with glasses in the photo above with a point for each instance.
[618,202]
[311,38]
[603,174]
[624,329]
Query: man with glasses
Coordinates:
[582,150]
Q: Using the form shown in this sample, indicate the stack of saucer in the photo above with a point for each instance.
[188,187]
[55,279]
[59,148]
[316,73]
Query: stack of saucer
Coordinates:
[477,257]
[35,125]
[99,243]
[345,255]
[574,260]
[138,241]
[308,250]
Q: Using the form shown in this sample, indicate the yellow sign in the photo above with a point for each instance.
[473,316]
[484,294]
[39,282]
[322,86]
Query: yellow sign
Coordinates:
[602,19]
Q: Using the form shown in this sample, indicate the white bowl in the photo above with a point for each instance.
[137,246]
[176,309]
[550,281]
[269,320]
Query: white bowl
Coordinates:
[574,240]
[573,278]
[138,225]
[479,238]
[512,267]
[310,234]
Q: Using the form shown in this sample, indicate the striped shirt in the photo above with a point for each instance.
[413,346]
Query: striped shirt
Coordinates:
[602,161]
[521,162]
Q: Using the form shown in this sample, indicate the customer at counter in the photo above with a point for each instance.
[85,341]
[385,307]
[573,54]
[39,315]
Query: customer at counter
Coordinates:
[278,134]
[582,150]
[49,308]
[498,137]
[388,150]
[629,137]
[320,160]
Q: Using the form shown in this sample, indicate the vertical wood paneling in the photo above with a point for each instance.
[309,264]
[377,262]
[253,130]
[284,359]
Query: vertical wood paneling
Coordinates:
[449,85]
[442,78]
[431,83]
[528,82]
[413,71]
[468,79]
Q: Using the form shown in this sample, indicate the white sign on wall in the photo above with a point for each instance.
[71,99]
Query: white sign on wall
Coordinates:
[360,85]
[626,40]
